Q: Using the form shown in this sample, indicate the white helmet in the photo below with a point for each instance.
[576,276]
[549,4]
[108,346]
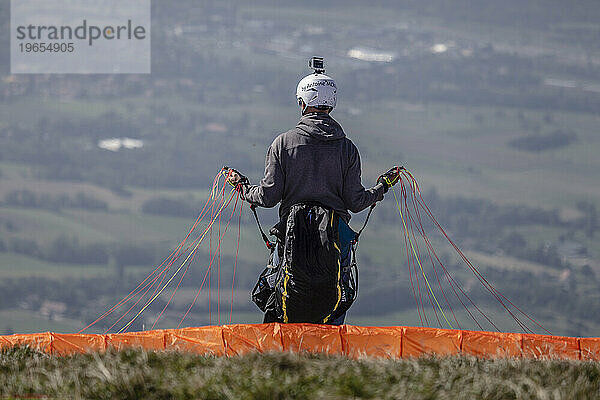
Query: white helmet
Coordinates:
[317,90]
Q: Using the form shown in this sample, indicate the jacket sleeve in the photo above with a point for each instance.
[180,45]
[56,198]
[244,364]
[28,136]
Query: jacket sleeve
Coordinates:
[269,191]
[356,197]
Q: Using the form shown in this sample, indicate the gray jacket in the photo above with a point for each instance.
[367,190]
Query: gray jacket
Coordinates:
[315,161]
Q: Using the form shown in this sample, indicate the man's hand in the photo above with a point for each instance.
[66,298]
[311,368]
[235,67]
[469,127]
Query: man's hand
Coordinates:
[234,178]
[390,178]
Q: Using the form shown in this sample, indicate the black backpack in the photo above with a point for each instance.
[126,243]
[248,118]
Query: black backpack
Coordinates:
[310,282]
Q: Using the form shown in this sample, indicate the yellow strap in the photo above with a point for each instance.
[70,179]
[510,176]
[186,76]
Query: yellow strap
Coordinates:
[339,288]
[284,294]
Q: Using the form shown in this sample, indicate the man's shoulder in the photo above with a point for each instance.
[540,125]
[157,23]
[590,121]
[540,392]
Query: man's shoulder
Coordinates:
[349,145]
[287,138]
[287,135]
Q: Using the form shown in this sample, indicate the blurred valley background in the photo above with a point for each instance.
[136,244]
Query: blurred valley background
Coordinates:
[494,106]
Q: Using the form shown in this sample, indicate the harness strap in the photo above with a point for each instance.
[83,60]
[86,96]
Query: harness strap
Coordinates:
[365,224]
[268,243]
[354,268]
[354,244]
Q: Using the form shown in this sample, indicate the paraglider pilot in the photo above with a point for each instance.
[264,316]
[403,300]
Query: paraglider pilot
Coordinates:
[314,172]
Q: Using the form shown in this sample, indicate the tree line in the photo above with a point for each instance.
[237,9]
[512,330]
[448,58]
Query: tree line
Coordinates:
[68,249]
[29,199]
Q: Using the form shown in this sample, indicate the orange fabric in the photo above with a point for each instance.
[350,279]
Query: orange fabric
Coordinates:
[491,344]
[37,341]
[148,340]
[353,341]
[545,346]
[311,338]
[417,342]
[242,339]
[205,340]
[5,342]
[590,348]
[64,345]
[384,342]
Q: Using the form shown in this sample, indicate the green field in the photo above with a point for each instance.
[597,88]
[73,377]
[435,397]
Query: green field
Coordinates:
[21,266]
[442,143]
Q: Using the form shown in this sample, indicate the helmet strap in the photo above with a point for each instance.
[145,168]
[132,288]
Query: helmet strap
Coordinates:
[302,106]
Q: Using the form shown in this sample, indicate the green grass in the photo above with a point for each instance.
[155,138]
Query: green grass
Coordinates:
[164,375]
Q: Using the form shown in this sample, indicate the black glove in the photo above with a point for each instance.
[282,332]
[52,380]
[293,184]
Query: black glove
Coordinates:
[390,178]
[234,178]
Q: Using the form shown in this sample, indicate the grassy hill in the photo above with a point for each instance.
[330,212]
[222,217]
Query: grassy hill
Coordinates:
[137,374]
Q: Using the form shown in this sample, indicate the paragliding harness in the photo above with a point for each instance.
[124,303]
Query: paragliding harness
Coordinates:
[312,274]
